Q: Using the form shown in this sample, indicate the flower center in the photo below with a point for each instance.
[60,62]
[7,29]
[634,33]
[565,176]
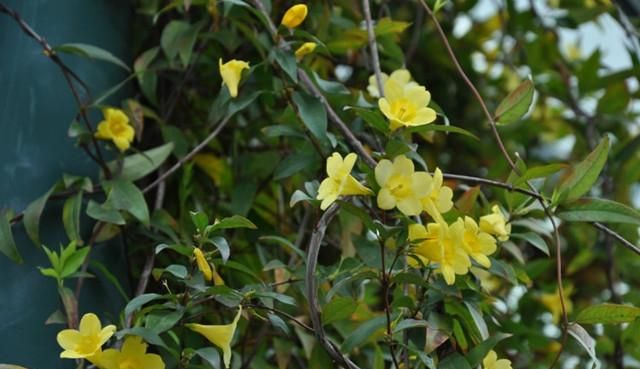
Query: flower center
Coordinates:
[117,127]
[399,186]
[88,345]
[403,109]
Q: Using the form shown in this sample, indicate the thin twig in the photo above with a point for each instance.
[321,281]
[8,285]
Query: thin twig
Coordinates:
[373,46]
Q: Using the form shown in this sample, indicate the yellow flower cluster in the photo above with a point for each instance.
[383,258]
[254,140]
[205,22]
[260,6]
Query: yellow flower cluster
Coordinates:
[86,343]
[404,102]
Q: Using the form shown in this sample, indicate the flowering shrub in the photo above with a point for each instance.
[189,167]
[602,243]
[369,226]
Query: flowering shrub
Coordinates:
[298,198]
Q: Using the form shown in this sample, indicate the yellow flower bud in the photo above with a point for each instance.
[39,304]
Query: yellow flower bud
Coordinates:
[231,73]
[294,16]
[306,48]
[203,264]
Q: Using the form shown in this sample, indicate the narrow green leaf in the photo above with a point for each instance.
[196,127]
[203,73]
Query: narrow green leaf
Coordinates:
[124,195]
[363,333]
[32,213]
[104,213]
[608,314]
[534,239]
[211,356]
[410,323]
[586,341]
[538,172]
[74,262]
[178,38]
[454,361]
[582,177]
[110,277]
[293,164]
[442,128]
[235,221]
[338,308]
[516,104]
[598,210]
[7,244]
[92,52]
[287,62]
[371,117]
[138,301]
[148,80]
[223,247]
[161,321]
[71,217]
[139,165]
[476,354]
[313,114]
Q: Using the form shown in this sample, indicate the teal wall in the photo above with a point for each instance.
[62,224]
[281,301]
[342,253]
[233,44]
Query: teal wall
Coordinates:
[36,108]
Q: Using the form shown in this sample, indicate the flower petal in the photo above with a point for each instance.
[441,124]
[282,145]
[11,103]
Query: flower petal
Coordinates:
[386,201]
[90,325]
[383,171]
[68,338]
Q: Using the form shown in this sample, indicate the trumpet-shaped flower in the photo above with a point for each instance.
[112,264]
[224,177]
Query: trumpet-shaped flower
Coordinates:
[491,362]
[203,264]
[439,198]
[477,244]
[405,105]
[219,335]
[87,341]
[304,49]
[340,182]
[402,76]
[496,224]
[401,186]
[115,127]
[133,355]
[553,303]
[294,16]
[231,73]
[442,244]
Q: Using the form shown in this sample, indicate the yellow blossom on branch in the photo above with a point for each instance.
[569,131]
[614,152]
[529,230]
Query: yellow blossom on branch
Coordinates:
[402,76]
[219,335]
[294,16]
[231,73]
[115,127]
[305,49]
[340,181]
[477,244]
[405,105]
[133,355]
[553,303]
[439,198]
[441,244]
[401,186]
[491,362]
[87,341]
[203,264]
[496,224]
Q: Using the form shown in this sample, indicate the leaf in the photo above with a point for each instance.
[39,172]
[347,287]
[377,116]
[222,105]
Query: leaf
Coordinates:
[32,213]
[442,128]
[178,38]
[538,172]
[338,309]
[223,247]
[110,277]
[92,52]
[124,195]
[313,114]
[410,323]
[74,262]
[71,217]
[454,361]
[598,210]
[210,355]
[235,221]
[147,334]
[161,321]
[10,366]
[386,26]
[200,220]
[287,62]
[277,322]
[584,174]
[139,165]
[293,164]
[138,301]
[534,239]
[371,117]
[104,213]
[363,333]
[147,80]
[608,314]
[285,299]
[7,244]
[516,104]
[179,271]
[585,340]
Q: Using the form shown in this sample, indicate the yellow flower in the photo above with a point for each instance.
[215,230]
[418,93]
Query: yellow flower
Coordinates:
[406,105]
[439,198]
[402,76]
[116,127]
[133,355]
[477,244]
[87,341]
[496,224]
[491,362]
[401,186]
[294,16]
[306,48]
[203,264]
[441,244]
[231,73]
[340,182]
[552,302]
[219,335]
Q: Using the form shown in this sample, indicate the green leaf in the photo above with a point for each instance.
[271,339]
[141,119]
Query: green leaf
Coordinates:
[138,301]
[110,277]
[371,117]
[516,104]
[608,314]
[410,323]
[363,333]
[538,172]
[584,174]
[124,195]
[74,262]
[211,356]
[32,213]
[598,210]
[386,26]
[92,52]
[200,220]
[104,213]
[293,164]
[71,217]
[442,128]
[313,114]
[223,247]
[285,299]
[277,322]
[147,334]
[139,165]
[148,80]
[454,361]
[534,239]
[338,309]
[586,341]
[179,271]
[161,321]
[178,38]
[7,244]
[287,62]
[235,221]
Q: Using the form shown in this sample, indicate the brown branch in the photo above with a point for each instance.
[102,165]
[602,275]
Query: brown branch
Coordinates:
[373,46]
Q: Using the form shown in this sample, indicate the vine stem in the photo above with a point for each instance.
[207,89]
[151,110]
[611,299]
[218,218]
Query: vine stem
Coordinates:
[505,154]
[373,46]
